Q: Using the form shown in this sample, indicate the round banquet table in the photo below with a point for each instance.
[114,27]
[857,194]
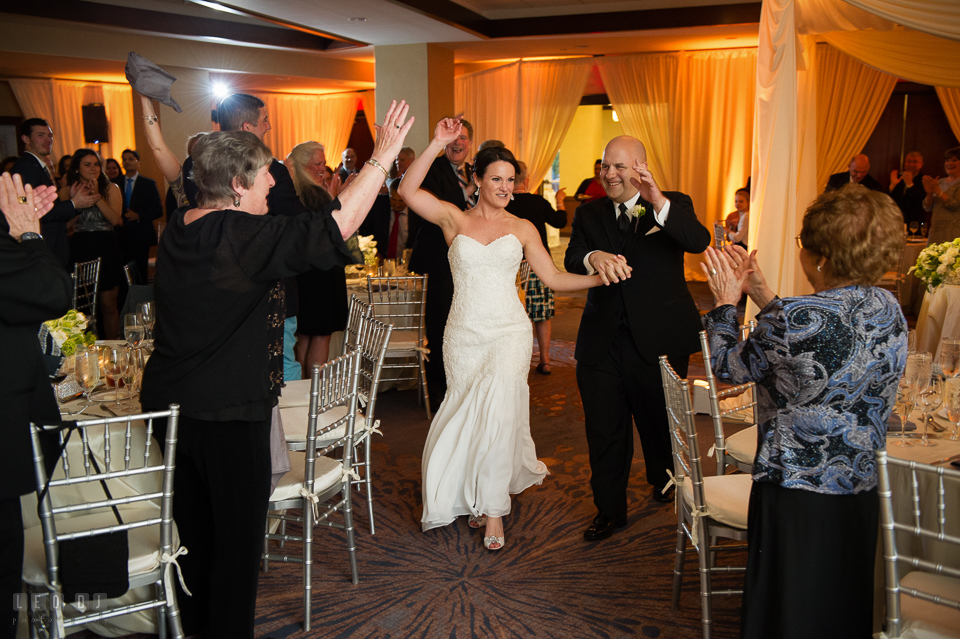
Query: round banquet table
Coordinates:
[939,317]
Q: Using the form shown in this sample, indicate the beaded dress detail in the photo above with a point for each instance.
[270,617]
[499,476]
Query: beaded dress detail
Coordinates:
[479,450]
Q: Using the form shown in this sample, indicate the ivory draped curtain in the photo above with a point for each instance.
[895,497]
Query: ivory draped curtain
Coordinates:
[527,105]
[785,164]
[369,101]
[850,100]
[950,99]
[299,118]
[694,113]
[59,102]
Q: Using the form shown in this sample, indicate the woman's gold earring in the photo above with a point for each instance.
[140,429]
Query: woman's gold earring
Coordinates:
[820,267]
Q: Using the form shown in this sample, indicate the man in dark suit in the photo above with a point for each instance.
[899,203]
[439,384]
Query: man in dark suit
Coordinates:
[141,206]
[907,190]
[33,288]
[627,327]
[348,164]
[859,173]
[447,179]
[242,112]
[387,222]
[32,168]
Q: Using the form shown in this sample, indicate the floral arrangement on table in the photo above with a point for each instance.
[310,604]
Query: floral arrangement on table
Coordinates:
[938,264]
[69,332]
[368,246]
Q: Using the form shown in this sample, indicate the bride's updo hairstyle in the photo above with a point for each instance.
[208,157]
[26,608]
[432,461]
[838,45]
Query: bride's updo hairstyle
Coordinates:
[492,154]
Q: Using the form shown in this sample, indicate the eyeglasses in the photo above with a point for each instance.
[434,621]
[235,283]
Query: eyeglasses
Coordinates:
[799,241]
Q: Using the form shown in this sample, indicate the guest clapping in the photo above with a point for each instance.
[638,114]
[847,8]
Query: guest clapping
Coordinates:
[219,355]
[826,367]
[943,198]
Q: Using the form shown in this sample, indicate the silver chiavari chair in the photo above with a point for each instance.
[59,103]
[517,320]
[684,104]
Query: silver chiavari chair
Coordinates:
[86,285]
[372,339]
[357,309]
[740,449]
[921,593]
[707,507]
[319,484]
[108,480]
[401,302]
[523,276]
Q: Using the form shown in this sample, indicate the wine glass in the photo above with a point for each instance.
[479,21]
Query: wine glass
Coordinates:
[133,329]
[115,366]
[148,315]
[904,406]
[131,378]
[914,227]
[929,400]
[87,371]
[911,341]
[950,357]
[951,398]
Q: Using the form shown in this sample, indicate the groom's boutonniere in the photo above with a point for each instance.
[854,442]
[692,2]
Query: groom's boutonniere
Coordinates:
[636,212]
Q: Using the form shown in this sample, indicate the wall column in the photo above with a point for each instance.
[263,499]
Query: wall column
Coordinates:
[421,74]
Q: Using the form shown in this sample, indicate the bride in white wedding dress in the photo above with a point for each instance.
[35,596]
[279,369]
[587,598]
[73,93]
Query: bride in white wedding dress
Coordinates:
[479,450]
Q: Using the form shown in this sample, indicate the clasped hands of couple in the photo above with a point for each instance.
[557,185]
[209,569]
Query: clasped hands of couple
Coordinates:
[733,271]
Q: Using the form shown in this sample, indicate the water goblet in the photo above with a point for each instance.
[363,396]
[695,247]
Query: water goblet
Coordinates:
[115,366]
[929,400]
[87,371]
[951,399]
[904,406]
[914,227]
[950,356]
[148,315]
[133,330]
[911,341]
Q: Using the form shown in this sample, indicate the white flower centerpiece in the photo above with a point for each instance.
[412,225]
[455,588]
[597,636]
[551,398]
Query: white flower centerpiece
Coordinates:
[368,246]
[938,264]
[69,332]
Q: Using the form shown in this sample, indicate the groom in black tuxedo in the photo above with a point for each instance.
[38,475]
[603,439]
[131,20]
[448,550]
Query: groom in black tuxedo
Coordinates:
[625,328]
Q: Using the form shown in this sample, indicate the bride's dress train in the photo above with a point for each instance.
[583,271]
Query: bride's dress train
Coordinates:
[479,450]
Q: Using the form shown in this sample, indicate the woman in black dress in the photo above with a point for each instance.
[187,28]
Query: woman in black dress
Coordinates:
[323,294]
[94,235]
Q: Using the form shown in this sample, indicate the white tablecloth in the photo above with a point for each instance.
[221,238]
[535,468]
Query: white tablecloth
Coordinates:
[939,317]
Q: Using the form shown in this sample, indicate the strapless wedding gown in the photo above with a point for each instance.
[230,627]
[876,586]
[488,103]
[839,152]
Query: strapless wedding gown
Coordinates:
[479,450]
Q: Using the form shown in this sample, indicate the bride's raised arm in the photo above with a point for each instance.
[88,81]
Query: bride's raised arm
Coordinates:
[424,203]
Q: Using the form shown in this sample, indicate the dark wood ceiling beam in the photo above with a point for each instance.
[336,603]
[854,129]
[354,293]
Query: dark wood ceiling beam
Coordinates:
[172,24]
[617,21]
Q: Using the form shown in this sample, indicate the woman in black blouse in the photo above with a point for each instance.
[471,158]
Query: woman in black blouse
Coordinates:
[219,349]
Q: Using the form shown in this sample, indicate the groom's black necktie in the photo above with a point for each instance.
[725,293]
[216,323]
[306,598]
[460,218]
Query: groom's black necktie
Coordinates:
[623,223]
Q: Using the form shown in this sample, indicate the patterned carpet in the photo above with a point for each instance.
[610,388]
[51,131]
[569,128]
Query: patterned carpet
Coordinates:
[547,582]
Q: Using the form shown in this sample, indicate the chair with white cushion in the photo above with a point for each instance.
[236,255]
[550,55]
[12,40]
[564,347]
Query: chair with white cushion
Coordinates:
[372,339]
[401,302]
[918,519]
[740,449]
[108,486]
[707,507]
[319,485]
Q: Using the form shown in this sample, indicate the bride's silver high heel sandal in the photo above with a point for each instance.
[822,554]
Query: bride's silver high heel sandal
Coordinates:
[477,522]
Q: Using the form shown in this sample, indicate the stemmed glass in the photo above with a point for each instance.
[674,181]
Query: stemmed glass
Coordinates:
[949,357]
[147,314]
[929,400]
[951,398]
[133,330]
[87,371]
[131,378]
[918,371]
[904,405]
[115,366]
[914,227]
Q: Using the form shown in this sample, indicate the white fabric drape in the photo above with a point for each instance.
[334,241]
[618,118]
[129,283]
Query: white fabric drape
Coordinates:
[526,105]
[118,103]
[940,18]
[299,118]
[851,98]
[903,53]
[950,100]
[67,107]
[643,91]
[549,93]
[489,101]
[369,101]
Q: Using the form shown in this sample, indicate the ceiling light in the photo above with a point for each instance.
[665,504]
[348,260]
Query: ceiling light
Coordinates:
[220,90]
[615,117]
[356,19]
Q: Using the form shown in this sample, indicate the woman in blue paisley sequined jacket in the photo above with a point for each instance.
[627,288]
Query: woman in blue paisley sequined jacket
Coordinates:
[826,367]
